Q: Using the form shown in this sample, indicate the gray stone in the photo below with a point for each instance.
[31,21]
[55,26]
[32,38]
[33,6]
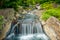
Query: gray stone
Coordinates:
[7,13]
[52,28]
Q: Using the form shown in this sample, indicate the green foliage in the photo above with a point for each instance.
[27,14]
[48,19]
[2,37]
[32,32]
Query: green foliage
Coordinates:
[47,5]
[16,3]
[10,4]
[43,1]
[57,1]
[25,3]
[51,12]
[1,21]
[45,16]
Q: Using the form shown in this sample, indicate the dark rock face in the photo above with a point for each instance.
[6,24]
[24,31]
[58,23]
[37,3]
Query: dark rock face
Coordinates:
[52,28]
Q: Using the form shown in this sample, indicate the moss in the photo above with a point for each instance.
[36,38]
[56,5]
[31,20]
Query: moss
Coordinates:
[1,21]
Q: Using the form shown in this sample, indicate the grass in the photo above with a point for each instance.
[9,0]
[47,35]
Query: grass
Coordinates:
[47,5]
[51,12]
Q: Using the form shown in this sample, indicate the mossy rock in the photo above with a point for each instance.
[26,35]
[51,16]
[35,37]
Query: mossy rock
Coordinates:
[1,21]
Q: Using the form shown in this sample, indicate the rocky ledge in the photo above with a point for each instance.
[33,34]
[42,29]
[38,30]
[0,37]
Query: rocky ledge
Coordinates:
[52,28]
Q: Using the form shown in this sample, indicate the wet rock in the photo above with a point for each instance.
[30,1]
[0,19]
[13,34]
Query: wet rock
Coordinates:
[52,28]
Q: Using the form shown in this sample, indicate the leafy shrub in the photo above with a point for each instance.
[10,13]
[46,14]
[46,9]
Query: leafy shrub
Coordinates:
[25,3]
[51,12]
[45,16]
[47,5]
[15,3]
[57,1]
[43,1]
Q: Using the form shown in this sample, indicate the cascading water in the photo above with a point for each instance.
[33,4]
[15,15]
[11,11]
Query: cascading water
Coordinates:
[30,29]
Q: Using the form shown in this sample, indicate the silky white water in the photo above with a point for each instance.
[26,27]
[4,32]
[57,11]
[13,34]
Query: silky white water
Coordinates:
[29,29]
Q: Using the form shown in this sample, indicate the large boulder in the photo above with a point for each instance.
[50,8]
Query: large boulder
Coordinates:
[4,31]
[52,28]
[8,17]
[7,13]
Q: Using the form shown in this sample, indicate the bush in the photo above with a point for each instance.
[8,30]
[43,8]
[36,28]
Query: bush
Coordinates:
[45,16]
[25,3]
[43,1]
[15,3]
[57,1]
[51,12]
[47,5]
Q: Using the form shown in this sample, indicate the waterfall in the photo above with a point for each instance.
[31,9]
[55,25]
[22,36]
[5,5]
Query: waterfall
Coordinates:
[31,28]
[28,29]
